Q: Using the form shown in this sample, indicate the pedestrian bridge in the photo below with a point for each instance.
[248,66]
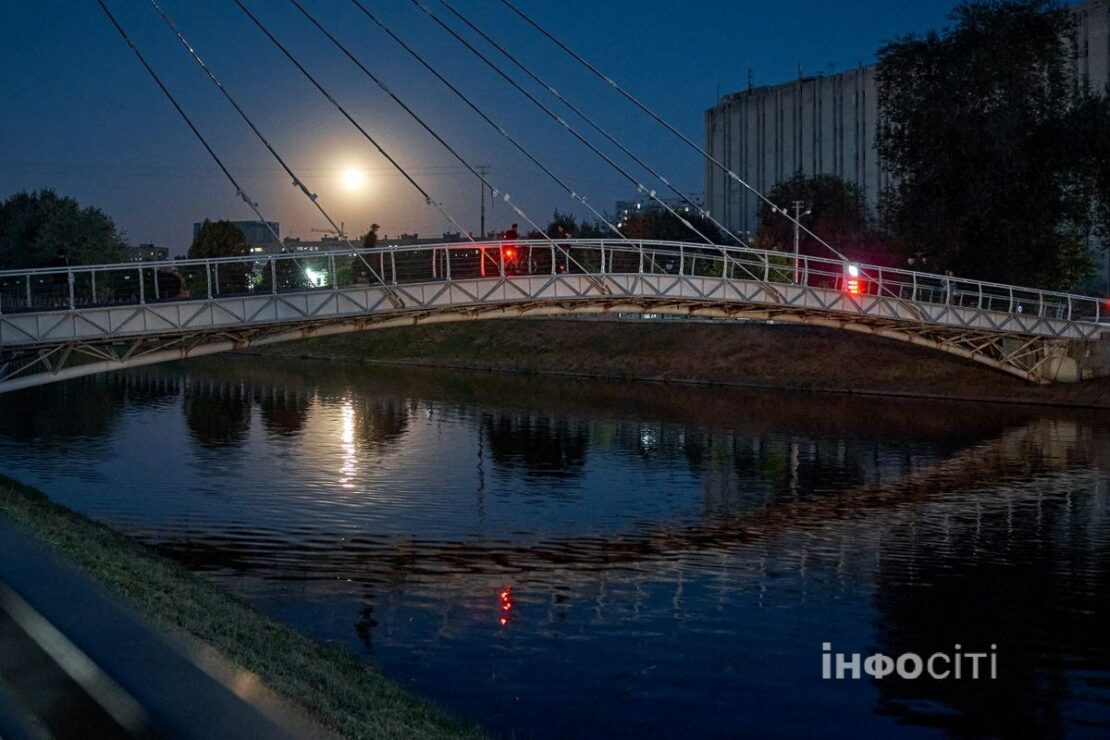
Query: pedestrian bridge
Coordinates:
[65,322]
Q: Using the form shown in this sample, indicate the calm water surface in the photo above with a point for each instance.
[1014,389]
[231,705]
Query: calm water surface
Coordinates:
[673,558]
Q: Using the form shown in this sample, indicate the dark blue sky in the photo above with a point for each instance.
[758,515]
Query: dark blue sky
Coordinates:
[82,116]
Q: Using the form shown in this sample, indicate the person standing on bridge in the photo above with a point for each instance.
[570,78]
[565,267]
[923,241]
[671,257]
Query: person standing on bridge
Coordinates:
[360,272]
[61,280]
[371,239]
[508,251]
[561,233]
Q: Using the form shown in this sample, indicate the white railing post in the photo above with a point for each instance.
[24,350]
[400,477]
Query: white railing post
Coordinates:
[681,259]
[142,288]
[331,272]
[640,247]
[447,260]
[72,298]
[392,266]
[29,291]
[208,278]
[92,276]
[273,274]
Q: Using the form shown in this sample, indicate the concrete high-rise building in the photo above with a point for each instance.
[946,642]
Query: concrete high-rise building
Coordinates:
[827,125]
[814,125]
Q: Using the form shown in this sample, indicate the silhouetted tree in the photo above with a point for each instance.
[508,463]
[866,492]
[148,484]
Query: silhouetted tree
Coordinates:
[665,226]
[984,131]
[36,227]
[576,229]
[223,239]
[837,213]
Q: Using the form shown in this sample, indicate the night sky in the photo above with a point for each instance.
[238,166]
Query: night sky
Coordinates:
[81,115]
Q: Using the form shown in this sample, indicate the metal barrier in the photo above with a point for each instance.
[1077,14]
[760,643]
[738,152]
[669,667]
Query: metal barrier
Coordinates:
[95,286]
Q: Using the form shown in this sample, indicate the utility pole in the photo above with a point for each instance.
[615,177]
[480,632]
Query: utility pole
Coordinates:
[797,239]
[483,170]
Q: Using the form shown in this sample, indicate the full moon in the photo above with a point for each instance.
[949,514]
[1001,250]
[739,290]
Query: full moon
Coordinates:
[353,178]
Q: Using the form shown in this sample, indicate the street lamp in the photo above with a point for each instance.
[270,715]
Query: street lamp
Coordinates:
[798,204]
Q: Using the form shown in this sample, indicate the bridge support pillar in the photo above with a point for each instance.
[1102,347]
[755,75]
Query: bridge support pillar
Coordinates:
[1080,360]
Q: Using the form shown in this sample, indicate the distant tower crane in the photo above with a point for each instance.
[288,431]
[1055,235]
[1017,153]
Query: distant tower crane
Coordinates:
[341,234]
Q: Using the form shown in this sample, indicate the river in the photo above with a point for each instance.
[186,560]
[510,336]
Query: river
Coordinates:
[556,557]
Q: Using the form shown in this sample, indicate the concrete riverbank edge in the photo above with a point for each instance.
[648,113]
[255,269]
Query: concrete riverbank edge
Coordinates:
[745,356]
[326,685]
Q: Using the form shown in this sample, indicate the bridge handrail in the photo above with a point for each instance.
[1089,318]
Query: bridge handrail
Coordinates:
[746,257]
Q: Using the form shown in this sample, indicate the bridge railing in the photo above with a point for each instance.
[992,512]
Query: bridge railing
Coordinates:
[139,283]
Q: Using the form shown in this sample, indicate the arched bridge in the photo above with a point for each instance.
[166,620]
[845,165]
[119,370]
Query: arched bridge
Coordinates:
[59,323]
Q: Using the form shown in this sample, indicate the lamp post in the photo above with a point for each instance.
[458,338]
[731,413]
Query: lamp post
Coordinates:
[798,237]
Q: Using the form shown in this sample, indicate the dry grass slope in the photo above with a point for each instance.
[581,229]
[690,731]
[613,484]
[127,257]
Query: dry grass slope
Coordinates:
[743,354]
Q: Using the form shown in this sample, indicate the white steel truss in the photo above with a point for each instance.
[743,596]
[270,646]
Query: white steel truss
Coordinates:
[102,326]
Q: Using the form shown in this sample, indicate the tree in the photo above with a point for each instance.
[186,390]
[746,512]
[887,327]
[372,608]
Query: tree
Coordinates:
[665,226]
[223,239]
[35,227]
[980,131]
[838,214]
[218,239]
[577,229]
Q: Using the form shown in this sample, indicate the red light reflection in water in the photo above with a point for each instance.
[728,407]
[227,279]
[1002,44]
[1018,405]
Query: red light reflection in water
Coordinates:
[506,597]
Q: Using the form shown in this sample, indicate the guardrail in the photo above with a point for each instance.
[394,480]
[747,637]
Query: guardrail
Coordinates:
[139,283]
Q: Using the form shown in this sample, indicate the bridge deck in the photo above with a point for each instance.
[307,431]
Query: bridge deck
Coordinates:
[62,322]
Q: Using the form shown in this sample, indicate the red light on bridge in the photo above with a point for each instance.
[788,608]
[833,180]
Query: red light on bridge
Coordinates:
[852,286]
[510,253]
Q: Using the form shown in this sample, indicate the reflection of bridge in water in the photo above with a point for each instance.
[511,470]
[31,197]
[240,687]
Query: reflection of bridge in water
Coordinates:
[68,322]
[752,472]
[760,483]
[1030,461]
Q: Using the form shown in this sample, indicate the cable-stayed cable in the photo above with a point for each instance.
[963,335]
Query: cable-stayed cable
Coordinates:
[589,121]
[558,119]
[642,106]
[417,118]
[239,192]
[288,55]
[312,197]
[473,170]
[473,106]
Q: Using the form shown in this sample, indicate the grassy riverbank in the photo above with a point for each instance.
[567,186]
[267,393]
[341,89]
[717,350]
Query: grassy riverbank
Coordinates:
[748,355]
[334,688]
